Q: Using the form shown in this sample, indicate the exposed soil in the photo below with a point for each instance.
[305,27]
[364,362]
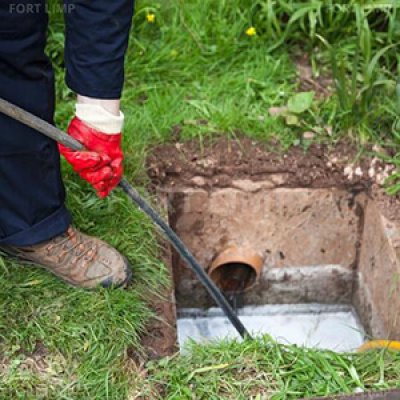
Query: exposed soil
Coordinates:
[389,205]
[160,338]
[322,85]
[228,163]
[39,362]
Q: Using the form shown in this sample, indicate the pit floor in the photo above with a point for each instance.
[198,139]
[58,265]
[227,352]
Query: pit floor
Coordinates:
[331,327]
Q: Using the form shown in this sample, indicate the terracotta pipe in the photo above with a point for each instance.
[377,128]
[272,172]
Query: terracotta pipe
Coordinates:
[236,269]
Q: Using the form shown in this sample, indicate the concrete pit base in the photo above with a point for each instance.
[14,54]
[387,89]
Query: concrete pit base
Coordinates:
[330,327]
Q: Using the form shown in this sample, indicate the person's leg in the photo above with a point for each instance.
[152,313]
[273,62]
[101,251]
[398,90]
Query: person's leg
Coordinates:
[34,223]
[31,190]
[97,34]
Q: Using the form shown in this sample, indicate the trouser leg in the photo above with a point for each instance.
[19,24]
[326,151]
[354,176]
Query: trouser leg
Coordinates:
[97,34]
[31,190]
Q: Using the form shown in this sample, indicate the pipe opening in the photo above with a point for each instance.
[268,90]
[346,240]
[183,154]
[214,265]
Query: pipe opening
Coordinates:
[236,269]
[234,277]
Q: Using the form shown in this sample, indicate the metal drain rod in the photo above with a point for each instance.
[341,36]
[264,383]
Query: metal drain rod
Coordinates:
[59,136]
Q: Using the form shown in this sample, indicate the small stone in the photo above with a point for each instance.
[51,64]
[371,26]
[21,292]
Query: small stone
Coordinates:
[246,185]
[276,111]
[377,148]
[358,171]
[388,168]
[278,179]
[308,135]
[198,181]
[348,170]
[371,172]
[329,164]
[205,163]
[380,180]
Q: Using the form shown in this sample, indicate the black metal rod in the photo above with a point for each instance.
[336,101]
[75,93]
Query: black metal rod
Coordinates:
[58,135]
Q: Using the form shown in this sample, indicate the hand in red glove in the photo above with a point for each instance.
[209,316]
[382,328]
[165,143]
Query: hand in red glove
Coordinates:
[101,164]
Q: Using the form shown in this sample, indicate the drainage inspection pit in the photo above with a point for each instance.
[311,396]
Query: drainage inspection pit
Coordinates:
[308,266]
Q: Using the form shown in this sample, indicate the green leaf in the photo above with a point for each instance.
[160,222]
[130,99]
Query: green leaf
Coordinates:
[292,119]
[398,95]
[207,369]
[300,102]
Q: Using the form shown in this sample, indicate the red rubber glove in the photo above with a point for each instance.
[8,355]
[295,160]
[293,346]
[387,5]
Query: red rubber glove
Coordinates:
[101,164]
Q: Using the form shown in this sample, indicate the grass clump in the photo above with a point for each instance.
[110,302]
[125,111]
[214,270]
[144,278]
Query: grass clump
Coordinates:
[263,369]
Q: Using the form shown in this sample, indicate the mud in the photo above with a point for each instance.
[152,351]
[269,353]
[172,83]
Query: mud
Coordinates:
[241,163]
[160,337]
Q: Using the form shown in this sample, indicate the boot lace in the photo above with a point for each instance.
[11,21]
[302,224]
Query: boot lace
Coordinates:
[71,243]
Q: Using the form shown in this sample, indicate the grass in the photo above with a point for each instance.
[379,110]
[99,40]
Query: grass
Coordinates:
[262,369]
[91,330]
[195,62]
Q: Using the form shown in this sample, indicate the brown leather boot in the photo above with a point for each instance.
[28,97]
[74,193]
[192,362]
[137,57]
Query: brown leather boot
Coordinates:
[78,259]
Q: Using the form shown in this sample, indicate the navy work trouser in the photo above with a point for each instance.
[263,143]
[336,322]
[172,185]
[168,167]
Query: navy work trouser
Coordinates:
[31,190]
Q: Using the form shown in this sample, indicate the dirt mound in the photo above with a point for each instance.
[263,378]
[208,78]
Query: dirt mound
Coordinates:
[224,163]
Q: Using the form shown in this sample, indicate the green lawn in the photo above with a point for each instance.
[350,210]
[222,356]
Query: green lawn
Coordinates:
[195,62]
[262,369]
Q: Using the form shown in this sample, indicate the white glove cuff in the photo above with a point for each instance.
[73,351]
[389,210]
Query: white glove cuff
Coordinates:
[99,118]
